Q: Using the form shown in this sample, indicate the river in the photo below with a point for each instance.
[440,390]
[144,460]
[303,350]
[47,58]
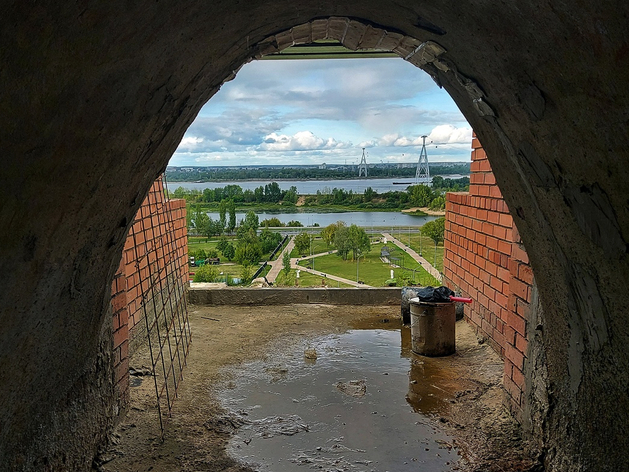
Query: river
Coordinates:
[310,187]
[359,218]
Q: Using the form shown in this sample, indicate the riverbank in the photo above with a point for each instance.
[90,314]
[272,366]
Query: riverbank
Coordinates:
[422,211]
[301,207]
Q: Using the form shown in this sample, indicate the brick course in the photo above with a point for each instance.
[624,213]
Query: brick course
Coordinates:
[485,260]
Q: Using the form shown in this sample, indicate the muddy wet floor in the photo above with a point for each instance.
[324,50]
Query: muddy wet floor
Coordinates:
[339,402]
[320,387]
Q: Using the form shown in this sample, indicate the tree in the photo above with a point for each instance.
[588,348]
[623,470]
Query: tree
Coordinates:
[229,251]
[222,243]
[251,221]
[206,273]
[438,203]
[369,194]
[435,229]
[246,273]
[291,195]
[302,243]
[420,195]
[359,241]
[294,224]
[222,211]
[286,262]
[231,207]
[437,181]
[269,240]
[199,220]
[342,242]
[248,253]
[353,240]
[272,222]
[327,233]
[272,192]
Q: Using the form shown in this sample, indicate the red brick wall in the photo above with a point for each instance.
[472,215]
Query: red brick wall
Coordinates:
[485,259]
[152,236]
[153,239]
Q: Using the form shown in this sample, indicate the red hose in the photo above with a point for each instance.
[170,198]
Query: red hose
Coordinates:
[460,299]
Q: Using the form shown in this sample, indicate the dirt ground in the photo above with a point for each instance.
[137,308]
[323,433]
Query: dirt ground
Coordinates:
[195,438]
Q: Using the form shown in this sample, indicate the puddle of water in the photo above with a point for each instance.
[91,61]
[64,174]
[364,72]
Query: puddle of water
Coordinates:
[355,407]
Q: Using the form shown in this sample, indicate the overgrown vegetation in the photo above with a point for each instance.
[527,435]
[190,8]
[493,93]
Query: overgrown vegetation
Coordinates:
[271,196]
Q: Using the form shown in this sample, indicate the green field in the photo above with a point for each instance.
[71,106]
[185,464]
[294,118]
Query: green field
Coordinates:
[426,249]
[371,270]
[306,280]
[318,246]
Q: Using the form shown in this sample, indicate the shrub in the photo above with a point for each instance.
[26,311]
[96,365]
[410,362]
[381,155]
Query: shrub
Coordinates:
[245,273]
[206,273]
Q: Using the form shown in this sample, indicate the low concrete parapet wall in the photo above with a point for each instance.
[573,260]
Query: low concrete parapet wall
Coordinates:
[288,296]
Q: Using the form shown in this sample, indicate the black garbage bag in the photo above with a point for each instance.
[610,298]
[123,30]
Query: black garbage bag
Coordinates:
[434,295]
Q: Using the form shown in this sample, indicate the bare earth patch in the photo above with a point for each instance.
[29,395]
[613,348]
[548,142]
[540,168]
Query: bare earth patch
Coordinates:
[426,210]
[196,435]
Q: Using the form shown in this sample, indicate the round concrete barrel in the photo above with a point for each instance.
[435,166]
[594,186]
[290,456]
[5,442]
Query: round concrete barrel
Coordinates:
[432,328]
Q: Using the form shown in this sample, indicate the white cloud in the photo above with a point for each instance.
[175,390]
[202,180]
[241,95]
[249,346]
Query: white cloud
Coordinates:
[440,135]
[305,112]
[450,134]
[300,141]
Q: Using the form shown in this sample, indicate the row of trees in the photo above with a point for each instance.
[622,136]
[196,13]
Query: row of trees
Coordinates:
[415,195]
[199,222]
[337,172]
[276,223]
[269,193]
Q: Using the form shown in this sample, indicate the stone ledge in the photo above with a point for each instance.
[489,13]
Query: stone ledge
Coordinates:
[289,296]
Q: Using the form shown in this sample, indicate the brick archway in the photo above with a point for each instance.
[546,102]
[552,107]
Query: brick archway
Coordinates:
[99,97]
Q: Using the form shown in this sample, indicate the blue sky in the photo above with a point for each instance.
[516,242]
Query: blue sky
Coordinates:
[315,111]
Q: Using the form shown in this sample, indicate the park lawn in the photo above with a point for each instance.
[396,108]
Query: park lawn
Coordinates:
[318,246]
[427,249]
[306,280]
[232,269]
[196,243]
[371,269]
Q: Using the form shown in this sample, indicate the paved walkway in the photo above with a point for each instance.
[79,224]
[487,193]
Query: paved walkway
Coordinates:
[276,265]
[424,263]
[294,265]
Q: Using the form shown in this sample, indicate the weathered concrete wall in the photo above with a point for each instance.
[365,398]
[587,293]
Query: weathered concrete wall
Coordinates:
[97,97]
[485,259]
[279,296]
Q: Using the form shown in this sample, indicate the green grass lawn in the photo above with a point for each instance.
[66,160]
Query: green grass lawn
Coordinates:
[371,269]
[428,250]
[318,246]
[306,280]
[427,246]
[196,243]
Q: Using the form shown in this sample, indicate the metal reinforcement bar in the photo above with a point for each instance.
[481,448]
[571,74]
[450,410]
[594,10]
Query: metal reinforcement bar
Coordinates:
[158,261]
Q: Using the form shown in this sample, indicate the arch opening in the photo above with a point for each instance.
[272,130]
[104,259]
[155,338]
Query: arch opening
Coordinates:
[572,214]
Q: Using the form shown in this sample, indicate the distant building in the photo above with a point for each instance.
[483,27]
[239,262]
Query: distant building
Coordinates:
[323,166]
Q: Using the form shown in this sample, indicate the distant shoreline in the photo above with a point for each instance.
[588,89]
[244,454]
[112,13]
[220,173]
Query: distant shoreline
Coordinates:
[313,179]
